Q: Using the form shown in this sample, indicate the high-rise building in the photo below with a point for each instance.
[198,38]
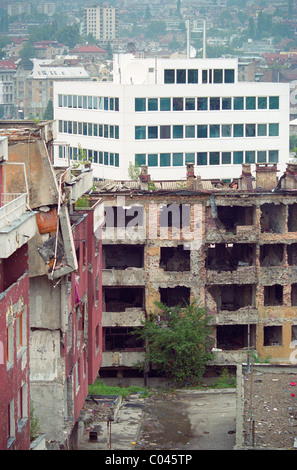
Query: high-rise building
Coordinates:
[101,22]
[166,113]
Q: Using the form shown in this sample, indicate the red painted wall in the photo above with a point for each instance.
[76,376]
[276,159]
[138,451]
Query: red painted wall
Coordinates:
[79,293]
[95,301]
[15,299]
[85,300]
[94,289]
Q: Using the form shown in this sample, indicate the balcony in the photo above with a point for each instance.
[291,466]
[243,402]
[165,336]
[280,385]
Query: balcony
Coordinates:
[242,275]
[13,206]
[132,317]
[123,277]
[17,225]
[121,358]
[242,234]
[124,234]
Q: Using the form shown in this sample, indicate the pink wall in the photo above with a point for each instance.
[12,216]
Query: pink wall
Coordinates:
[15,298]
[92,281]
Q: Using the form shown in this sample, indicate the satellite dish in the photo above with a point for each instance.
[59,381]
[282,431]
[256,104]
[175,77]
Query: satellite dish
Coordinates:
[193,52]
[135,73]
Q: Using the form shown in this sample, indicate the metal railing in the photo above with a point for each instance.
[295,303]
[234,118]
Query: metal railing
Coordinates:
[13,206]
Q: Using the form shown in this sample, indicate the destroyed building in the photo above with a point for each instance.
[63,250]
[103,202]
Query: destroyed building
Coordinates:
[62,302]
[231,246]
[17,227]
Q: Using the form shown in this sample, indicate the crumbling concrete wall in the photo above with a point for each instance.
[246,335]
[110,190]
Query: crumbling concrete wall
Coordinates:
[260,227]
[49,399]
[43,188]
[45,304]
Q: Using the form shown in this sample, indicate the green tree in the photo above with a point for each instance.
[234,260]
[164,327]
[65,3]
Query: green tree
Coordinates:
[34,423]
[134,171]
[264,25]
[27,51]
[293,142]
[4,21]
[178,13]
[155,28]
[251,28]
[48,114]
[147,15]
[109,51]
[178,342]
[69,35]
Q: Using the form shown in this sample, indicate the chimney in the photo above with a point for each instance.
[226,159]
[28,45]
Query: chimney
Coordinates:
[190,175]
[193,182]
[289,179]
[144,177]
[266,176]
[245,181]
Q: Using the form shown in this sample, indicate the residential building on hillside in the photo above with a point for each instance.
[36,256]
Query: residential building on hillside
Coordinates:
[166,113]
[18,8]
[102,22]
[48,49]
[33,84]
[232,247]
[63,281]
[47,8]
[89,52]
[7,72]
[17,227]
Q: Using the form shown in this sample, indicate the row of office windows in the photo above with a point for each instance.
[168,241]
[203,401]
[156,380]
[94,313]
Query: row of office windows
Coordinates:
[191,76]
[104,103]
[207,158]
[204,131]
[95,156]
[205,103]
[90,129]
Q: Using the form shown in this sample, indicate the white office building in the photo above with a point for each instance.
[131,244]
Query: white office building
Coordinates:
[166,113]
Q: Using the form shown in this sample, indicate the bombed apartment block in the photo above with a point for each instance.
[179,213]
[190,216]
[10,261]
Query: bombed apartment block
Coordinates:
[50,281]
[232,246]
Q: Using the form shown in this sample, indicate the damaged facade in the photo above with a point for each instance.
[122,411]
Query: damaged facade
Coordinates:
[232,246]
[64,282]
[17,227]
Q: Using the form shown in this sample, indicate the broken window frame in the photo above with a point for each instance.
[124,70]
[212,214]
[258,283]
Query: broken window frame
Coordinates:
[276,331]
[123,334]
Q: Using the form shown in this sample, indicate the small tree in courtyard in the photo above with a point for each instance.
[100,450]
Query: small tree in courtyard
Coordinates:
[178,342]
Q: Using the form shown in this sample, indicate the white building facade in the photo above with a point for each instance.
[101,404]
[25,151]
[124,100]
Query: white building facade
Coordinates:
[166,113]
[102,22]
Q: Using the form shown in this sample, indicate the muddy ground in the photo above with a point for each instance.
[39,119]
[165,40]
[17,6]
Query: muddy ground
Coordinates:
[189,420]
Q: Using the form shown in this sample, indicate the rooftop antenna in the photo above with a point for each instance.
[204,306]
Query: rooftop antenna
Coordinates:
[191,51]
[188,38]
[204,39]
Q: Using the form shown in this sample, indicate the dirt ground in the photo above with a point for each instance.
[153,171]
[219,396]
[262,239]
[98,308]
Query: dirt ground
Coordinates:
[270,410]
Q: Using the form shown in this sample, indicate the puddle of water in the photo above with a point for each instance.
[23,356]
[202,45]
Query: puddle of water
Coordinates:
[167,427]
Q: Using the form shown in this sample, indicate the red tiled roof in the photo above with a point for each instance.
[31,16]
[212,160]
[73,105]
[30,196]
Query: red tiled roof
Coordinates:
[44,44]
[275,57]
[6,65]
[88,49]
[19,40]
